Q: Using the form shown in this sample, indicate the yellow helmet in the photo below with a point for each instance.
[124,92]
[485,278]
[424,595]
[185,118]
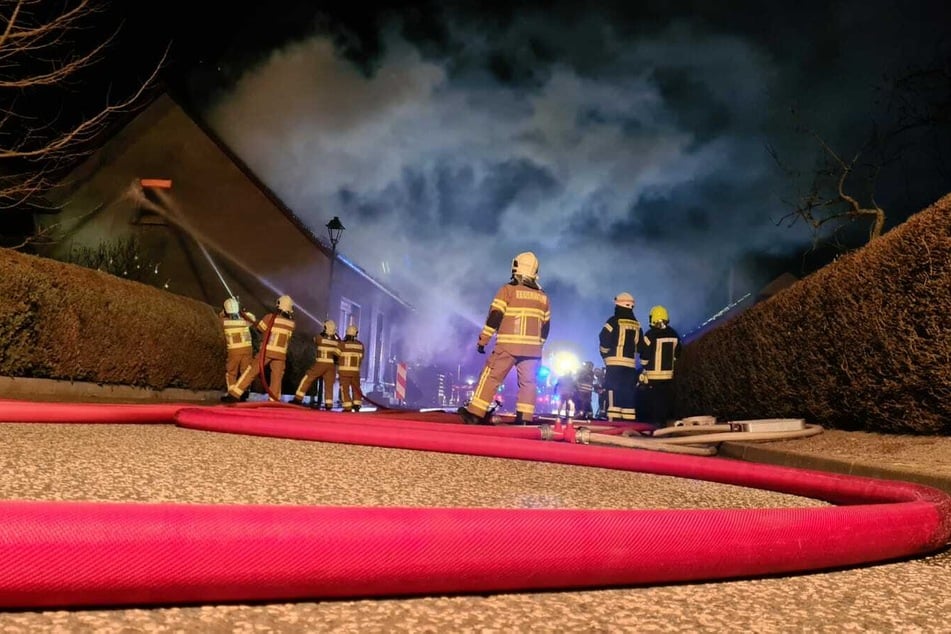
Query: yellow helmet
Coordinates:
[525,264]
[285,303]
[624,299]
[352,330]
[658,314]
[330,327]
[231,306]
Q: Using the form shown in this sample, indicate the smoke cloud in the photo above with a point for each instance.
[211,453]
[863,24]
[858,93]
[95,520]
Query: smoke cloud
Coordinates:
[626,160]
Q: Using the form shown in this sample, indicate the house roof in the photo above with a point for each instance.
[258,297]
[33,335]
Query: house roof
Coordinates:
[277,202]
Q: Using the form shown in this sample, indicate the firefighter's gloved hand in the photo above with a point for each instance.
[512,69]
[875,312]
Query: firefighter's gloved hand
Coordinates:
[642,378]
[480,348]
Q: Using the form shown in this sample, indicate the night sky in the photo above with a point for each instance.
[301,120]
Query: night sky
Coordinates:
[624,143]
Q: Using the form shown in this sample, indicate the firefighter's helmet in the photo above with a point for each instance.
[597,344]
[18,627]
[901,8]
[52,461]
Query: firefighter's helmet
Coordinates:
[658,314]
[231,306]
[624,299]
[525,264]
[330,327]
[285,303]
[352,330]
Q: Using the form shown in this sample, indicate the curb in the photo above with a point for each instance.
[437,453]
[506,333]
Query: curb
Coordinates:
[53,390]
[754,453]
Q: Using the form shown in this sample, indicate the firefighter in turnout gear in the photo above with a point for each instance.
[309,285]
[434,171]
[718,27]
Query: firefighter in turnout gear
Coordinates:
[519,317]
[656,388]
[584,389]
[620,341]
[236,323]
[351,357]
[277,328]
[324,367]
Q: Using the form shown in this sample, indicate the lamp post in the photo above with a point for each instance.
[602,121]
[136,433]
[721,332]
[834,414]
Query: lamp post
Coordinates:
[335,229]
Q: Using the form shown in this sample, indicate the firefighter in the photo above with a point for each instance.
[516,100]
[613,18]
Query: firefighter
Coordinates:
[351,357]
[519,317]
[324,366]
[277,327]
[620,341]
[565,388]
[656,388]
[584,389]
[236,323]
[602,413]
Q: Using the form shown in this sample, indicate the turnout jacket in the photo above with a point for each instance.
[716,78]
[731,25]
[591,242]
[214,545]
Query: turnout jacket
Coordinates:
[351,356]
[519,317]
[282,327]
[328,349]
[237,330]
[663,348]
[621,338]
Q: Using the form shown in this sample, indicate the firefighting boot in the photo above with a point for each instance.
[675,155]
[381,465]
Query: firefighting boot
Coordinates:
[468,417]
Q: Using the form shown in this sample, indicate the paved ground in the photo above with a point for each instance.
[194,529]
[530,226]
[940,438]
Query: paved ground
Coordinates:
[165,463]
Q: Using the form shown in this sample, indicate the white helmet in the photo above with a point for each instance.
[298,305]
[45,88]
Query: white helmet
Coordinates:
[231,306]
[352,330]
[330,327]
[525,264]
[285,303]
[624,299]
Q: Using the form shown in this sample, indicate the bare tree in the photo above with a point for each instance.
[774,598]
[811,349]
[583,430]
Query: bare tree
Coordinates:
[905,150]
[44,47]
[831,202]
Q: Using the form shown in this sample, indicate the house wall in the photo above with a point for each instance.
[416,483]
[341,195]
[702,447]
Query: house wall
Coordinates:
[216,220]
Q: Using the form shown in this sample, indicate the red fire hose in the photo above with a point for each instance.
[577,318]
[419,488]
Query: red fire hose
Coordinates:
[77,554]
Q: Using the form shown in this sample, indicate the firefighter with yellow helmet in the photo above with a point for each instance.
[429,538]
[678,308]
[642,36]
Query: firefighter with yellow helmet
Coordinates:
[663,348]
[620,341]
[236,323]
[519,319]
[277,328]
[324,367]
[348,372]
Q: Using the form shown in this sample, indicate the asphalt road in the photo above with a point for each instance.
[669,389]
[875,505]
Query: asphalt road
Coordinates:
[165,463]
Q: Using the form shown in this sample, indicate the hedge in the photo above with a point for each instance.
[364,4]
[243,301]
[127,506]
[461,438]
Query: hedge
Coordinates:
[862,344]
[62,321]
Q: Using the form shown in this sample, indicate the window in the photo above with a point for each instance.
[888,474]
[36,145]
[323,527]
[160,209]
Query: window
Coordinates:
[349,314]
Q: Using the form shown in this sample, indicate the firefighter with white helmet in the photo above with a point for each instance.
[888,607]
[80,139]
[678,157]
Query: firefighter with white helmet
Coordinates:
[277,328]
[324,367]
[519,319]
[348,372]
[663,348]
[620,341]
[236,324]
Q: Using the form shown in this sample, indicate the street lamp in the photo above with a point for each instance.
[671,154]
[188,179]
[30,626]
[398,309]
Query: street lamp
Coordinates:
[335,229]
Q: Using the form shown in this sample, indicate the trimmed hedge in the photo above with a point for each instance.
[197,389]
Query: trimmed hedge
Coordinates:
[63,321]
[862,344]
